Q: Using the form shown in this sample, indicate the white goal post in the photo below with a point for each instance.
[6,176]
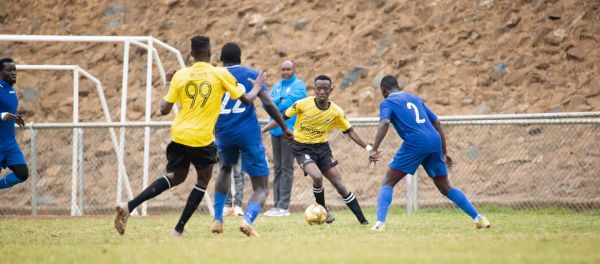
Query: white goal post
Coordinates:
[146,42]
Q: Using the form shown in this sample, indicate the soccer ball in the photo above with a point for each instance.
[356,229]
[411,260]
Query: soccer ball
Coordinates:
[315,214]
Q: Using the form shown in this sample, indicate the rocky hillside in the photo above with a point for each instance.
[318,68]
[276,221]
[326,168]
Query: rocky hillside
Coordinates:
[462,57]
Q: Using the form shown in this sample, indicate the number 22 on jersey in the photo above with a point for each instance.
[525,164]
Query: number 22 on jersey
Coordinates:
[236,107]
[418,118]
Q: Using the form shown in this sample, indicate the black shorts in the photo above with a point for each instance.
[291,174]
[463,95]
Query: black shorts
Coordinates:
[180,156]
[319,154]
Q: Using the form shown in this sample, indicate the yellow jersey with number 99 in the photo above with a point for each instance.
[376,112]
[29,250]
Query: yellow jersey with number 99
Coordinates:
[312,123]
[199,91]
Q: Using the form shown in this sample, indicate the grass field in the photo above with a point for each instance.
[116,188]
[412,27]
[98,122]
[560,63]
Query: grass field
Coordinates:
[429,236]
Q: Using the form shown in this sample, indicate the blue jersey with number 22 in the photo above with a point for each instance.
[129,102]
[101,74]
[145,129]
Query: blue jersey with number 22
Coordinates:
[413,121]
[237,123]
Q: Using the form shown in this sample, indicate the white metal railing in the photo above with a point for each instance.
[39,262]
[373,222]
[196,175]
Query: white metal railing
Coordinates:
[146,42]
[77,170]
[411,180]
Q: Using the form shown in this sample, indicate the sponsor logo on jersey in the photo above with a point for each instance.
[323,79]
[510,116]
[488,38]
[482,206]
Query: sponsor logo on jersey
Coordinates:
[312,130]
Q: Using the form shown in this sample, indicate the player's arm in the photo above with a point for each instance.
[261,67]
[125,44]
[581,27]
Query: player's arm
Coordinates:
[7,117]
[384,126]
[165,106]
[438,126]
[385,115]
[248,98]
[295,109]
[357,139]
[274,113]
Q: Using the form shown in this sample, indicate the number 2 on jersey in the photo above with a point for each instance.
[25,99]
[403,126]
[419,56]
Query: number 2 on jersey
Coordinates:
[417,117]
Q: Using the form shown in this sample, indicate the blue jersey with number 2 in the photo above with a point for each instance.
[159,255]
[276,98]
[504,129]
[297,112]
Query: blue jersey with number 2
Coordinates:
[413,121]
[237,123]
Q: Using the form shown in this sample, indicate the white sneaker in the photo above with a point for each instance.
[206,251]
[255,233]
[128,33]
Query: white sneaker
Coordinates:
[174,233]
[284,212]
[272,211]
[378,226]
[228,211]
[237,210]
[281,212]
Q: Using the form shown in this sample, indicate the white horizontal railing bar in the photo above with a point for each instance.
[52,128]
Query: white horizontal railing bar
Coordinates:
[499,116]
[66,38]
[553,121]
[99,124]
[459,122]
[46,67]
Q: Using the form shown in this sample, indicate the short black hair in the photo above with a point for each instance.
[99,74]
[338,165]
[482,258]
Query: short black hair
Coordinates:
[231,53]
[200,46]
[389,81]
[323,78]
[5,60]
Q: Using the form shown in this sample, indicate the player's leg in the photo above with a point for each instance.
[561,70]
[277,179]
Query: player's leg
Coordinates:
[305,156]
[203,159]
[157,187]
[254,162]
[437,170]
[334,176]
[13,159]
[229,155]
[222,186]
[177,169]
[404,162]
[19,173]
[386,192]
[260,191]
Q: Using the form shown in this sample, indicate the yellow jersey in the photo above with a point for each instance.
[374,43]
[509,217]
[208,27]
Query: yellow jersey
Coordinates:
[199,91]
[312,123]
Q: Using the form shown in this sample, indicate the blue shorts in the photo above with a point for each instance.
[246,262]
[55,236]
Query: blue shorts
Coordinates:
[254,160]
[11,155]
[408,162]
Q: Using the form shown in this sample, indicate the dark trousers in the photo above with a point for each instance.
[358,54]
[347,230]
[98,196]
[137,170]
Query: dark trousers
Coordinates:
[283,157]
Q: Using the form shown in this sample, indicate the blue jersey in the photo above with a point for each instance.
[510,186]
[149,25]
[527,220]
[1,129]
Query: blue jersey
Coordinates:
[237,123]
[8,103]
[413,121]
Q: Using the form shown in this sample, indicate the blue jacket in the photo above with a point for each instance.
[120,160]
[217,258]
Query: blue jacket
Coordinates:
[284,94]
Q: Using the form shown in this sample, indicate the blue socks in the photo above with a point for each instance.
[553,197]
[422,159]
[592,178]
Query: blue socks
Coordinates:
[9,181]
[383,202]
[252,212]
[219,203]
[461,201]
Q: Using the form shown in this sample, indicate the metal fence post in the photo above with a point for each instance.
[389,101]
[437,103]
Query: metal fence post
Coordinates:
[411,193]
[34,174]
[81,175]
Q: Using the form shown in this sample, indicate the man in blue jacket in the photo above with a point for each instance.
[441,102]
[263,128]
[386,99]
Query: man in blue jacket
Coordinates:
[284,93]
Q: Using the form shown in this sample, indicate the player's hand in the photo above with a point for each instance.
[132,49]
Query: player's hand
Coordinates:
[20,121]
[169,74]
[374,156]
[288,134]
[449,161]
[260,80]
